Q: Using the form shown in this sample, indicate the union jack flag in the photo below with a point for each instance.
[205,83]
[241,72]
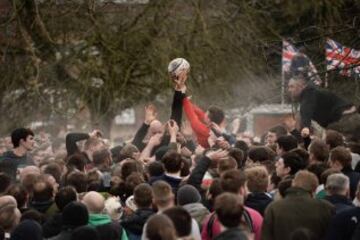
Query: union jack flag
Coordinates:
[345,59]
[294,62]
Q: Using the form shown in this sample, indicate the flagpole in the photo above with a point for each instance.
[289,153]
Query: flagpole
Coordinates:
[282,76]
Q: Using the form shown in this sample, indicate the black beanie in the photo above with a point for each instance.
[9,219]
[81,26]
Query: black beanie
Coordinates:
[75,214]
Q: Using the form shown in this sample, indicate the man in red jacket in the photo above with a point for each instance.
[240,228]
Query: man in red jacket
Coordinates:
[201,122]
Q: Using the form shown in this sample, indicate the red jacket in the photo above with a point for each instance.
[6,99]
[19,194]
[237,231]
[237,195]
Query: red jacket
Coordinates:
[196,117]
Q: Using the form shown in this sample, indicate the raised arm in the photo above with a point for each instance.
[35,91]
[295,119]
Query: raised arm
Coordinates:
[71,140]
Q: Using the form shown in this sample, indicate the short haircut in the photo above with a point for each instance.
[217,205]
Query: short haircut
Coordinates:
[229,208]
[226,164]
[232,180]
[128,167]
[337,183]
[306,180]
[238,155]
[181,220]
[303,154]
[43,191]
[19,192]
[172,162]
[287,142]
[155,169]
[260,154]
[5,181]
[216,114]
[293,161]
[334,139]
[77,161]
[163,194]
[54,170]
[100,157]
[242,145]
[160,226]
[319,149]
[257,178]
[279,130]
[143,195]
[18,134]
[65,196]
[78,180]
[284,185]
[132,181]
[326,174]
[8,218]
[318,169]
[342,155]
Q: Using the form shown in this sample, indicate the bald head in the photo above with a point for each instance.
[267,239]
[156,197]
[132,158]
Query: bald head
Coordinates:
[7,199]
[94,202]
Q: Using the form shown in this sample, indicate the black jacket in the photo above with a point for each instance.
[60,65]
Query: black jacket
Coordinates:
[134,223]
[321,106]
[354,178]
[343,225]
[340,202]
[258,201]
[231,234]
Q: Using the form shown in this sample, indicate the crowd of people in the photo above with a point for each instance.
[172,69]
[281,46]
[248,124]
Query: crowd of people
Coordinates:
[187,178]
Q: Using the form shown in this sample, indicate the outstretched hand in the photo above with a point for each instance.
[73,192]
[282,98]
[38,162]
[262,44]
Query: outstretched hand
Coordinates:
[217,155]
[173,128]
[180,81]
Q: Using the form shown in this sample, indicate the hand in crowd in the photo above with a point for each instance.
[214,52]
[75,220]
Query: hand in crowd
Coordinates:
[173,128]
[180,81]
[150,113]
[305,132]
[216,155]
[214,127]
[96,133]
[222,143]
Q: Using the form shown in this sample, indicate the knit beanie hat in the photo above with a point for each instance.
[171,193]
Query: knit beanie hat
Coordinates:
[75,214]
[29,230]
[188,194]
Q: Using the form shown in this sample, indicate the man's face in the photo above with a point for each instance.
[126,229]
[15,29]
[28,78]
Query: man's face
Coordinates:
[281,170]
[271,138]
[29,143]
[295,88]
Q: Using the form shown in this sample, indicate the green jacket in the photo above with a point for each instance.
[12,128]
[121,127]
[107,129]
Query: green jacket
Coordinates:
[102,219]
[298,210]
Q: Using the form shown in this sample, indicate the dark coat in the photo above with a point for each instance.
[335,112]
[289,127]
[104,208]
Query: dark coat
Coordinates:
[134,223]
[297,210]
[344,224]
[258,201]
[340,202]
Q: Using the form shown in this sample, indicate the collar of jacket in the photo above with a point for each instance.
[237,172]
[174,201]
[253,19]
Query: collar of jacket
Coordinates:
[297,192]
